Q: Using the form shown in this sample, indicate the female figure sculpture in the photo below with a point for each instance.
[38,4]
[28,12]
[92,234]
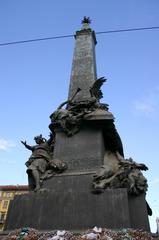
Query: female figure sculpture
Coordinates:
[39,160]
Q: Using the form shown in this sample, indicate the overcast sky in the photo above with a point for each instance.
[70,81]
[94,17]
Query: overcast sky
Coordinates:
[35,76]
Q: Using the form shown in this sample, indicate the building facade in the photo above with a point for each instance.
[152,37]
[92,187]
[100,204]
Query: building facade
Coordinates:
[7,193]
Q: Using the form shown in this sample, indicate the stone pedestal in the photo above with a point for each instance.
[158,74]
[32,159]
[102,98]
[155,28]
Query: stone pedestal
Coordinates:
[82,151]
[68,204]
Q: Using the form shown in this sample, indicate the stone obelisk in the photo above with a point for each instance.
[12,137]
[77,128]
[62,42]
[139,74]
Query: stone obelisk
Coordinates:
[83,151]
[83,73]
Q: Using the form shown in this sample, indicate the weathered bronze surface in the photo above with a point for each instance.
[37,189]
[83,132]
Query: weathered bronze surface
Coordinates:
[86,20]
[70,118]
[40,165]
[122,173]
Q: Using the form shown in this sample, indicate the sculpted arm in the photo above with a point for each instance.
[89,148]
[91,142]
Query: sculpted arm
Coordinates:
[51,139]
[70,100]
[62,104]
[27,146]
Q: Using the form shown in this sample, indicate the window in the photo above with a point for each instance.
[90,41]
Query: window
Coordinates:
[8,194]
[5,204]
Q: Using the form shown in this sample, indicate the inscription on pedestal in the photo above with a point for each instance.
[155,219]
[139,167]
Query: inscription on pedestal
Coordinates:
[84,150]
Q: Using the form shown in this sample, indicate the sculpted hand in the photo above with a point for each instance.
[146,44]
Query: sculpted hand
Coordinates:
[27,163]
[23,142]
[143,167]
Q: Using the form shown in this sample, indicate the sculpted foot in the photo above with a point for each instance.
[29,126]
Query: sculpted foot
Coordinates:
[37,189]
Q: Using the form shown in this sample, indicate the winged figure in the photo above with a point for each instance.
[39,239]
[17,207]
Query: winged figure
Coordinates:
[95,89]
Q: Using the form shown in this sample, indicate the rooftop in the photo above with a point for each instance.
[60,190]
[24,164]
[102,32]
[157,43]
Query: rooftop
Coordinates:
[14,187]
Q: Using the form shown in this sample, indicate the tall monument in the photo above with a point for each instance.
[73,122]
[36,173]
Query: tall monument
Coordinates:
[79,177]
[83,73]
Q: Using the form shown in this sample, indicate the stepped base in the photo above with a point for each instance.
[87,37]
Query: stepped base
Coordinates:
[67,203]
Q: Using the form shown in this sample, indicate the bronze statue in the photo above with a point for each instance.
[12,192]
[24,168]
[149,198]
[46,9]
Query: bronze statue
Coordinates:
[95,88]
[86,20]
[127,174]
[70,118]
[39,160]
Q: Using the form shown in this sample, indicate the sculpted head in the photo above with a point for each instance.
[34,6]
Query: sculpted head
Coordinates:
[39,139]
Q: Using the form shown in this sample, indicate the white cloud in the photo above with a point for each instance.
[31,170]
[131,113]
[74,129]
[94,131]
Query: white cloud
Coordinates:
[148,105]
[6,144]
[144,107]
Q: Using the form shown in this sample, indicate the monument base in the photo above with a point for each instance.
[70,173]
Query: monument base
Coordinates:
[70,205]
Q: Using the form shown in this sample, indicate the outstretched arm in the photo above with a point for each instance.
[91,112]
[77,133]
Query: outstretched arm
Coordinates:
[51,139]
[62,104]
[70,100]
[27,146]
